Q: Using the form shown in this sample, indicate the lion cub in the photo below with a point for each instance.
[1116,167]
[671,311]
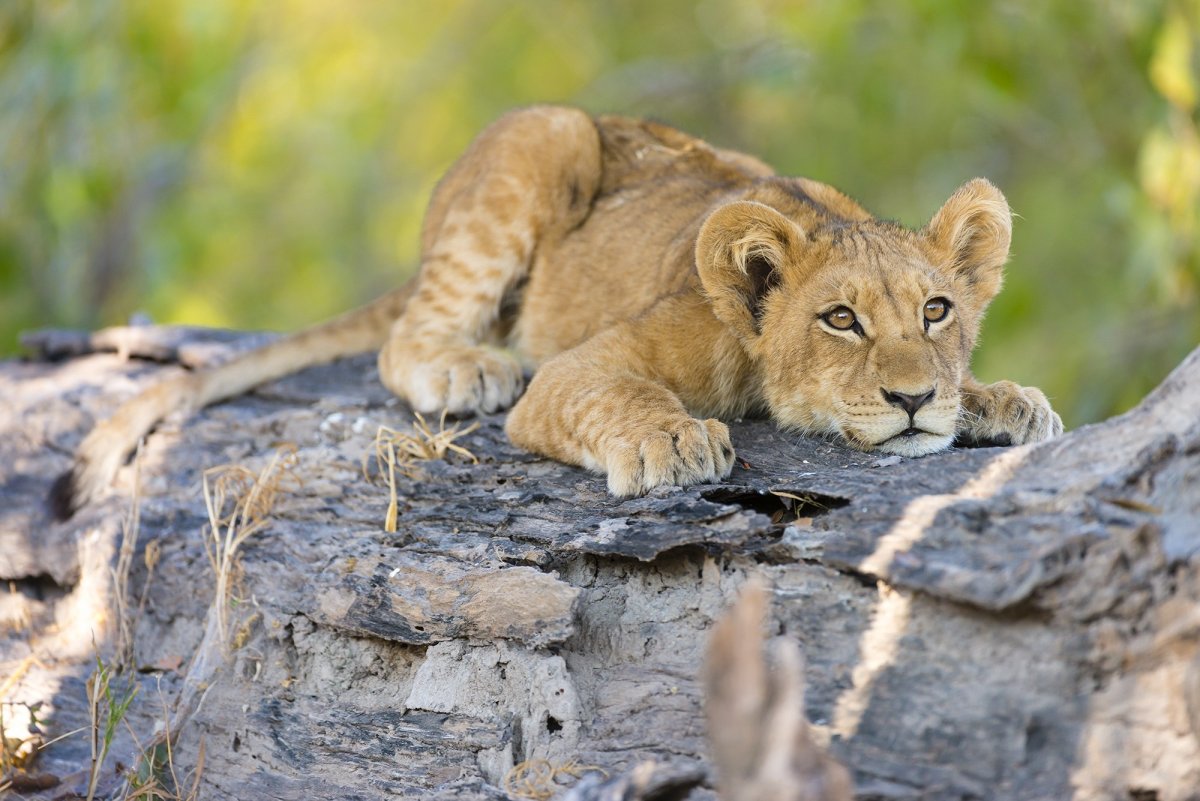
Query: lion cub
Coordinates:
[651,284]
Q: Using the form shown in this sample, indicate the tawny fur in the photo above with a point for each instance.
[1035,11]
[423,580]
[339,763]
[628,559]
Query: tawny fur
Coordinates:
[653,284]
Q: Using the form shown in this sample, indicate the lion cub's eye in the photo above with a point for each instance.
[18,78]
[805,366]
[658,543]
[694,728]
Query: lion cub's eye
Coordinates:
[840,318]
[936,310]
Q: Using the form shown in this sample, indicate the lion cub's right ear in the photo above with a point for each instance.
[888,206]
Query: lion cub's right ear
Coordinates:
[740,254]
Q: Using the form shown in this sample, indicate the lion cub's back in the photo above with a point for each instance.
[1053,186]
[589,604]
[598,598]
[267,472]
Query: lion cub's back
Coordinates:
[636,244]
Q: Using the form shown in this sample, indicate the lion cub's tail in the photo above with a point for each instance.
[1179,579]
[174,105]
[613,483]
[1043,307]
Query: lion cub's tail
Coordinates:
[106,447]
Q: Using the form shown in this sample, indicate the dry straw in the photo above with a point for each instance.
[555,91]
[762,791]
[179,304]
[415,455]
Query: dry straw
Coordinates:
[537,779]
[131,527]
[399,451]
[155,776]
[239,503]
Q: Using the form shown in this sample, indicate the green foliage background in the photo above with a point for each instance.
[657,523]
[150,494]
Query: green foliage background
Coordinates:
[265,164]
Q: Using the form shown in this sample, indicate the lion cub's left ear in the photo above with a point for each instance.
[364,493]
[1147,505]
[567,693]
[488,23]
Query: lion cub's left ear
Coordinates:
[970,236]
[740,254]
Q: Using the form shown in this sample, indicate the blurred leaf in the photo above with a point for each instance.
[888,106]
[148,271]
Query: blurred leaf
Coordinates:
[1173,67]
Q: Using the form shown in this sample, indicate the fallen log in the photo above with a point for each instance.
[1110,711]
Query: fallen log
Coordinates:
[997,623]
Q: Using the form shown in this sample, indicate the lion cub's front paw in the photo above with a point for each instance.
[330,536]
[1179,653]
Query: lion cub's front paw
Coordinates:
[1008,413]
[458,379]
[678,451]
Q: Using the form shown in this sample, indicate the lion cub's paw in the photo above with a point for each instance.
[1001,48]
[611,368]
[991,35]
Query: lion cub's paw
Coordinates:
[459,380]
[1008,413]
[677,452]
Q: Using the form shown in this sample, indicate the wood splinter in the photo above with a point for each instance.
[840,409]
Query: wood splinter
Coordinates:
[761,743]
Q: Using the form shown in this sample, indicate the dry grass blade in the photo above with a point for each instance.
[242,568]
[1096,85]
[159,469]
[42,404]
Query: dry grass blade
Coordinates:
[387,456]
[151,558]
[106,710]
[239,503]
[20,618]
[799,508]
[538,778]
[18,673]
[399,451]
[805,499]
[123,659]
[154,777]
[194,792]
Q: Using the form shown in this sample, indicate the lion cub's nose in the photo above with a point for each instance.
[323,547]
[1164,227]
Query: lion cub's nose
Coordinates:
[909,403]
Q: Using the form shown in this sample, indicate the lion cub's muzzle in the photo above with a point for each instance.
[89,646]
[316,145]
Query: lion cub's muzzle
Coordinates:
[905,423]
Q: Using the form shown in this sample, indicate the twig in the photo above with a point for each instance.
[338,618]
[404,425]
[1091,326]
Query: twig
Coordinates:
[761,742]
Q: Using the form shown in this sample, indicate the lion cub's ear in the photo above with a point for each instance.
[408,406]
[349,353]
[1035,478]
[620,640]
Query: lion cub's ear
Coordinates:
[970,236]
[740,253]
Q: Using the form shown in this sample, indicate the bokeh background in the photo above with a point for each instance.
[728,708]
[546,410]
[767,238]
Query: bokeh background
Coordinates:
[265,165]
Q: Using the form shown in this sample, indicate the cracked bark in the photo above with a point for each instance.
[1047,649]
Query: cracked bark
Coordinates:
[1007,623]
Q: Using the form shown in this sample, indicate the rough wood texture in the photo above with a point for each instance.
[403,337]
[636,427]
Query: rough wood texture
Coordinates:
[1017,623]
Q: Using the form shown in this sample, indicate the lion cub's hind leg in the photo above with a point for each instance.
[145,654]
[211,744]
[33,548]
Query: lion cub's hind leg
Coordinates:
[529,177]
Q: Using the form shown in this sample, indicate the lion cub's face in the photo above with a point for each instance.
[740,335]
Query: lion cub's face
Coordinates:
[862,328]
[869,348]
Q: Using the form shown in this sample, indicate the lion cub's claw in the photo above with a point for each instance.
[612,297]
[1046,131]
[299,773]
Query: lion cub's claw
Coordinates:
[460,380]
[679,452]
[1009,412]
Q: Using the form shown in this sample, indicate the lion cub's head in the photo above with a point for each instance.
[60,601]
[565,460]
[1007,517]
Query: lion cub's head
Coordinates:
[860,327]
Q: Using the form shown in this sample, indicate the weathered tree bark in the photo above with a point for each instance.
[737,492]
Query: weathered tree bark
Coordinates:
[1016,623]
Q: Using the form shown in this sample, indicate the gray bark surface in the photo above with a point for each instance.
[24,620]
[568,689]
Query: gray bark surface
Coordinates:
[999,623]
